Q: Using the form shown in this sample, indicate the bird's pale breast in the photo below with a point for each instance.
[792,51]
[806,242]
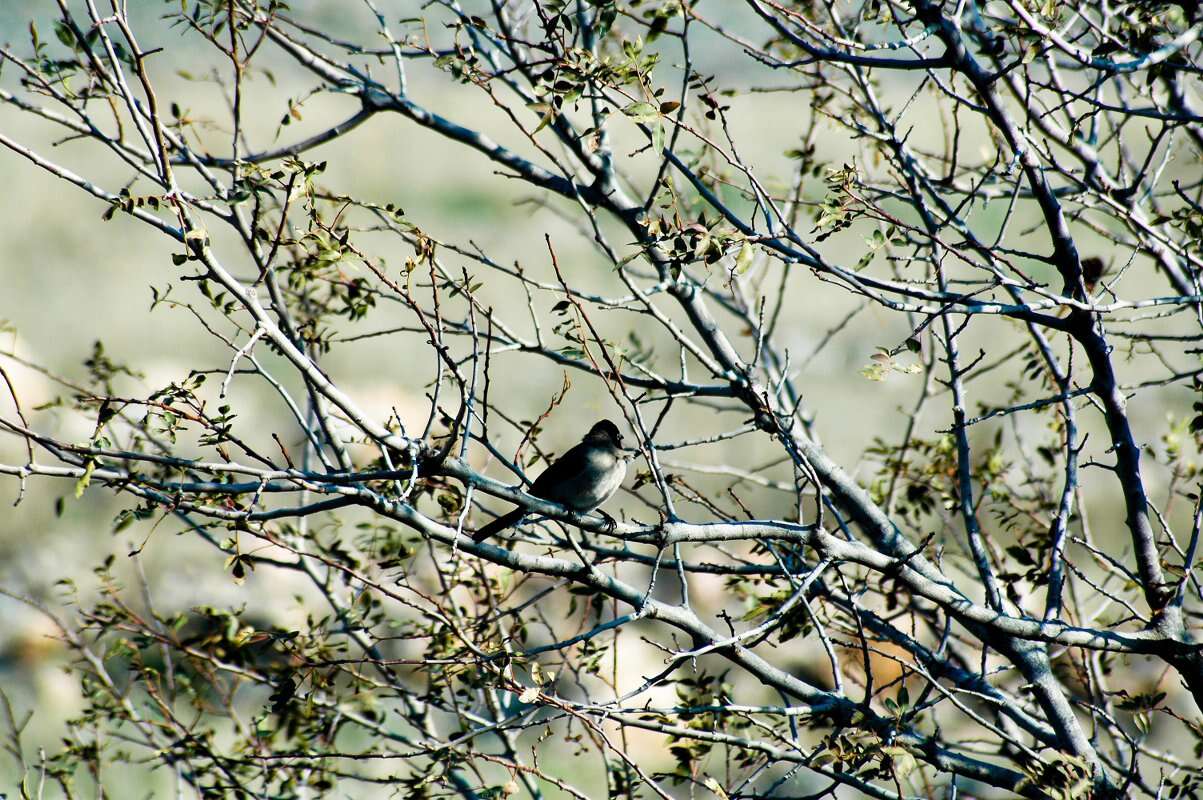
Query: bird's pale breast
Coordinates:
[598,482]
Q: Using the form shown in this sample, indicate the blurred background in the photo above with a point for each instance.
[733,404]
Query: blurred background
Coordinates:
[68,280]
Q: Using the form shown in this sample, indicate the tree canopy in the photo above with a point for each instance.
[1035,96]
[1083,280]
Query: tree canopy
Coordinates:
[897,301]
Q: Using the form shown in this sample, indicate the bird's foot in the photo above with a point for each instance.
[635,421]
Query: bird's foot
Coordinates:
[611,523]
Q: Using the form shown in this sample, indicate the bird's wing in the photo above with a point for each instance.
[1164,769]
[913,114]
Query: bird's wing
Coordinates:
[565,473]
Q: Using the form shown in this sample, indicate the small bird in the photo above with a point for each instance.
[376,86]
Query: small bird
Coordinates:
[582,479]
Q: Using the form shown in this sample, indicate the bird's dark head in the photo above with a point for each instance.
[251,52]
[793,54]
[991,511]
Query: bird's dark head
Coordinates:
[605,432]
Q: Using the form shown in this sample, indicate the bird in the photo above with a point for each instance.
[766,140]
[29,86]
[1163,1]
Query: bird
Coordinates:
[582,479]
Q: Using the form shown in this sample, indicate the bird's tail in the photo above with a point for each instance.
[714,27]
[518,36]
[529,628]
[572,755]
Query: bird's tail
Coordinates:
[498,525]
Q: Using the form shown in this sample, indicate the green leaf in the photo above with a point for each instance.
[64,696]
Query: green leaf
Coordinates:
[641,112]
[547,110]
[658,138]
[81,485]
[744,259]
[874,372]
[64,33]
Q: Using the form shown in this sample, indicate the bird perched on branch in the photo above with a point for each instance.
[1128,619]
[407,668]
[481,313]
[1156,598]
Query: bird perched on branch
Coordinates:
[581,479]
